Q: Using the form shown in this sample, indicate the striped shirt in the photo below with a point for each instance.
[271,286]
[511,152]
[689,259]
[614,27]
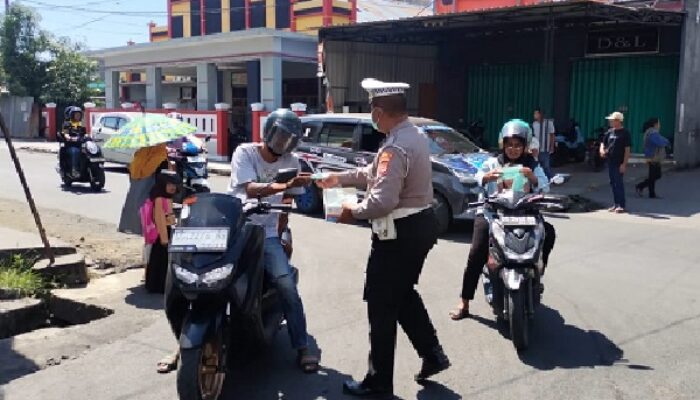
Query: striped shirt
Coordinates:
[542,131]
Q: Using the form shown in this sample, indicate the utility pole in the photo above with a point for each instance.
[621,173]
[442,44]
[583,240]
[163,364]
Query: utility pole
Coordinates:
[48,251]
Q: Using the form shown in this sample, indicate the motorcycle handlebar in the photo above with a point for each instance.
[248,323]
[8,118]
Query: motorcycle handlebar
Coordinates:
[263,208]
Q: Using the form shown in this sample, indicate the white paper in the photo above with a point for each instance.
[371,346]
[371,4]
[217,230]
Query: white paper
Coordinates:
[333,200]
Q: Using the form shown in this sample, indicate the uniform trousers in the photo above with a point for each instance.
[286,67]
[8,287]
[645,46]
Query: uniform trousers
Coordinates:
[393,269]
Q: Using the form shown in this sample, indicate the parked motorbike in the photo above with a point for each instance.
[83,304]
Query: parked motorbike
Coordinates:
[216,261]
[514,269]
[191,164]
[593,158]
[80,160]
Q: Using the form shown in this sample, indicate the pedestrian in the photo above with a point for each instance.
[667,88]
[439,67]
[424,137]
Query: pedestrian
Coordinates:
[142,176]
[404,229]
[516,141]
[543,130]
[616,148]
[655,152]
[161,207]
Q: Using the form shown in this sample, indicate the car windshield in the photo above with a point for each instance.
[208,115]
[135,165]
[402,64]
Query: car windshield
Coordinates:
[445,140]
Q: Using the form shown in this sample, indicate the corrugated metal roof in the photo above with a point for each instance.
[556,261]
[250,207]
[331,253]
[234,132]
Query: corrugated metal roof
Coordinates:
[385,10]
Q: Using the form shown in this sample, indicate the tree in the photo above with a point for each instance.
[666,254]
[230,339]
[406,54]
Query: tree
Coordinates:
[69,74]
[23,49]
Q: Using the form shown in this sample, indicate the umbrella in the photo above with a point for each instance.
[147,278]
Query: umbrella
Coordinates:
[149,130]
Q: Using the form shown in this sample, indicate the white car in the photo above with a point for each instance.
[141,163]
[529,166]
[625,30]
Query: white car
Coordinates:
[106,127]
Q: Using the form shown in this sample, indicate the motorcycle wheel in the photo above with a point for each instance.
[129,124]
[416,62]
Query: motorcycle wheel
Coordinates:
[197,377]
[97,179]
[517,317]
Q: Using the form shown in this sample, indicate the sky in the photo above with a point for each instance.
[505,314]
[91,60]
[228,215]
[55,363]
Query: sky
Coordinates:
[99,23]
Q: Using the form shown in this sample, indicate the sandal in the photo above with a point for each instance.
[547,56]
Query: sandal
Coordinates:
[168,363]
[308,362]
[459,313]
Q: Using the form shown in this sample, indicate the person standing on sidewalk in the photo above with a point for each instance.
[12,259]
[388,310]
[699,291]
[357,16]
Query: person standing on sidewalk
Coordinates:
[616,148]
[655,153]
[543,130]
[404,230]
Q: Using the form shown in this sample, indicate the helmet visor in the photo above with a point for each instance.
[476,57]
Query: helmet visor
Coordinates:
[280,140]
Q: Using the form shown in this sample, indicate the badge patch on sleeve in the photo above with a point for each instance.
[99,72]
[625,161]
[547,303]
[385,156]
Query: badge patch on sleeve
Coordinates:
[383,164]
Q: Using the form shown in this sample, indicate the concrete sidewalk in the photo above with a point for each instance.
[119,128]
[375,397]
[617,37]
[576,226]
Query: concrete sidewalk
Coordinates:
[11,239]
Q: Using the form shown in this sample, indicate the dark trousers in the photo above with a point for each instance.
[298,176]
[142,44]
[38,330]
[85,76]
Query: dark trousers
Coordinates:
[650,182]
[393,269]
[617,184]
[479,254]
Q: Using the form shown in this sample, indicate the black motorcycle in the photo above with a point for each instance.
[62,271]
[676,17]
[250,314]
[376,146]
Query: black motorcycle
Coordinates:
[512,274]
[593,158]
[192,165]
[216,263]
[80,160]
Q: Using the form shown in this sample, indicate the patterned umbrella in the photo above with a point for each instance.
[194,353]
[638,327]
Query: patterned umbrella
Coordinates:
[149,130]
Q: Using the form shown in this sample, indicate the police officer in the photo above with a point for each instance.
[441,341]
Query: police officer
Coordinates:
[404,229]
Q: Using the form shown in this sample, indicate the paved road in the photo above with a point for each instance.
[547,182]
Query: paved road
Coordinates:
[619,320]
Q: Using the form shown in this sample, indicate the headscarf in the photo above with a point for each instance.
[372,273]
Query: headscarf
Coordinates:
[160,187]
[147,160]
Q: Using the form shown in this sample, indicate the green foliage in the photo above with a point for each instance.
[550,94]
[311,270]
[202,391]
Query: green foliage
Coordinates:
[33,63]
[16,274]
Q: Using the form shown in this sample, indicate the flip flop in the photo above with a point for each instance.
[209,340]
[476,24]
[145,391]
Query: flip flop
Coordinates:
[308,362]
[168,363]
[459,314]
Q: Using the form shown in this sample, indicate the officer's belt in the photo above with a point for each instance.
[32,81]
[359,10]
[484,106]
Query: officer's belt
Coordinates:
[406,212]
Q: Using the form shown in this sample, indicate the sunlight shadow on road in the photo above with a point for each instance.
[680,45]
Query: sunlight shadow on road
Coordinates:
[140,298]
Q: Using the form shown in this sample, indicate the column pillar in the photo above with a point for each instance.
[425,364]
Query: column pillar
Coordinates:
[154,90]
[206,86]
[51,121]
[271,82]
[112,88]
[222,126]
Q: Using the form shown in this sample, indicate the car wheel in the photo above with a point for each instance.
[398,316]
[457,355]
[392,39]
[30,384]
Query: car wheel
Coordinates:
[442,213]
[310,202]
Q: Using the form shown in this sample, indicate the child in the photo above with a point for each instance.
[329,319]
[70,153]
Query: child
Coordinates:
[161,195]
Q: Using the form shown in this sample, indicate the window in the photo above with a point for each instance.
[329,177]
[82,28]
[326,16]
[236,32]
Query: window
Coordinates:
[195,18]
[310,131]
[258,14]
[237,15]
[109,122]
[371,139]
[212,16]
[335,134]
[121,123]
[177,26]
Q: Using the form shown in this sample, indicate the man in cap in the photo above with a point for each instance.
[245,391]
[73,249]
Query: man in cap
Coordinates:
[616,148]
[404,229]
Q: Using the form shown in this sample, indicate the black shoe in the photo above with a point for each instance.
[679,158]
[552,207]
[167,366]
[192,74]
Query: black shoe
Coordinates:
[359,389]
[433,364]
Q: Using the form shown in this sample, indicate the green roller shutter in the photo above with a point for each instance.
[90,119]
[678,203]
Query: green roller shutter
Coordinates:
[497,93]
[640,87]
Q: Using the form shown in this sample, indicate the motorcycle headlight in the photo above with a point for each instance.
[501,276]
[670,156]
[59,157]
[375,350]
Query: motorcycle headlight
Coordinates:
[185,275]
[217,274]
[91,147]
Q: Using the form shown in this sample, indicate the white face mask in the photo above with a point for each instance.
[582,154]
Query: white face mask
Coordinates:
[375,124]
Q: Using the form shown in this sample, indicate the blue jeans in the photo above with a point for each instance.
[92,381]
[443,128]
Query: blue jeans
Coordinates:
[544,159]
[279,271]
[618,186]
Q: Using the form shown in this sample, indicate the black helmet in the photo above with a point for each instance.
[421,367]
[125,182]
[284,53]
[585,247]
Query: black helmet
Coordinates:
[282,131]
[68,113]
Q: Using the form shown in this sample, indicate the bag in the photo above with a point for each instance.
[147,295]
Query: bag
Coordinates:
[148,224]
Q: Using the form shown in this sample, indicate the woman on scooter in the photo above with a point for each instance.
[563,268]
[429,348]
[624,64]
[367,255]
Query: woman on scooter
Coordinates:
[516,139]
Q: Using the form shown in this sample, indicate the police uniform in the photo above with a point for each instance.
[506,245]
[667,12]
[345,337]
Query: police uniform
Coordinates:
[404,229]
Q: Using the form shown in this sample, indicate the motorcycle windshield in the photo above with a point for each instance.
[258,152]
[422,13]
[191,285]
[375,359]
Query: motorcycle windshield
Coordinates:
[214,210]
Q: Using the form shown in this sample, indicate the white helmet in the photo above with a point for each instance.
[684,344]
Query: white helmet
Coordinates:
[516,128]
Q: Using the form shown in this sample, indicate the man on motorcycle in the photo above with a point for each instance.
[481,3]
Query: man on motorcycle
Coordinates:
[516,140]
[253,170]
[72,128]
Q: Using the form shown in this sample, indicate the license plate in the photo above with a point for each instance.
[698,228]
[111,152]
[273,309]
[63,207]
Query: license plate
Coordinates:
[196,159]
[199,240]
[519,221]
